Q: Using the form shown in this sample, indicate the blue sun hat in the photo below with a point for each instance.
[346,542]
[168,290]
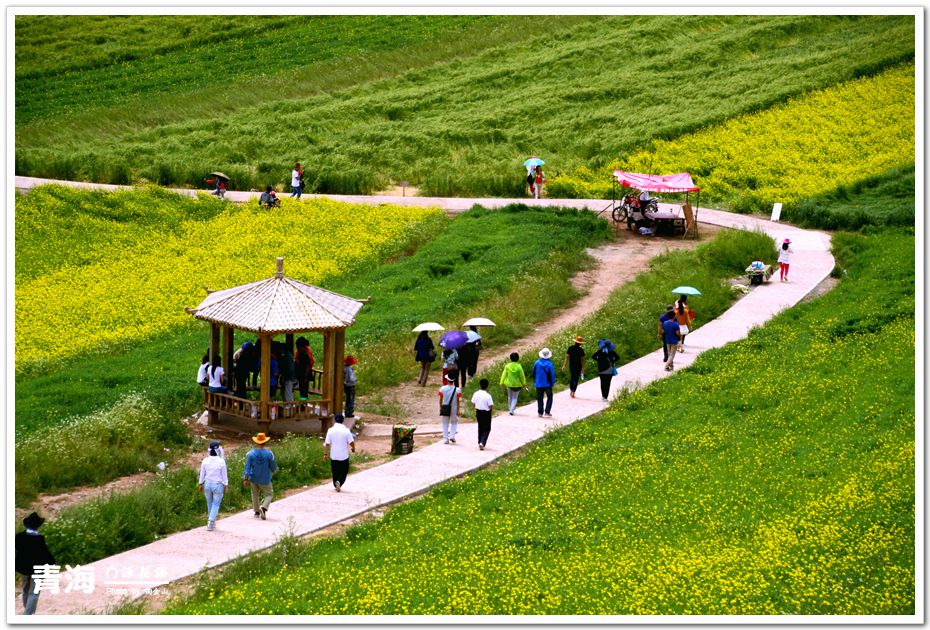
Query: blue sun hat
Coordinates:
[605,344]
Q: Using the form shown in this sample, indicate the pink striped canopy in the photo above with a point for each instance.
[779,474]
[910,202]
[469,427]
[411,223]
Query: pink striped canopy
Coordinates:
[676,182]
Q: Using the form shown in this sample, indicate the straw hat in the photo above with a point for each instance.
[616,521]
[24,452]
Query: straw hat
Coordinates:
[545,353]
[261,438]
[579,339]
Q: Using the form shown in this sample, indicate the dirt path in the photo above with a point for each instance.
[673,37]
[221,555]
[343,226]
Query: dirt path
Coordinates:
[618,262]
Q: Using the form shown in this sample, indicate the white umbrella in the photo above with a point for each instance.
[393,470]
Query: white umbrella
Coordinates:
[479,321]
[472,336]
[428,326]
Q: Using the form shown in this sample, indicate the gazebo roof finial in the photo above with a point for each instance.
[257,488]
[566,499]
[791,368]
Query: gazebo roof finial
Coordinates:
[280,271]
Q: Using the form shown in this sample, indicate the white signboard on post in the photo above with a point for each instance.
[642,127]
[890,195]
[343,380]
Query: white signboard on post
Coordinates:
[776,211]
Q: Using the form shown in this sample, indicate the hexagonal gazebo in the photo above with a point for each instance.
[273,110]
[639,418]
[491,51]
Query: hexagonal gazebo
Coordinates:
[279,306]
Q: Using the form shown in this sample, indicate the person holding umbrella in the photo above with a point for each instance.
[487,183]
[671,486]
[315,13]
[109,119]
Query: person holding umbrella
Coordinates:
[532,164]
[425,353]
[451,342]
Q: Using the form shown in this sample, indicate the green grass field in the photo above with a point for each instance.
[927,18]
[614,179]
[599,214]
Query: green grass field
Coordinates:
[481,261]
[773,477]
[463,126]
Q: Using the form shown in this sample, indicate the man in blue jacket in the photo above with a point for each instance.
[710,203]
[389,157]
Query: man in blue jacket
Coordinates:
[259,466]
[544,380]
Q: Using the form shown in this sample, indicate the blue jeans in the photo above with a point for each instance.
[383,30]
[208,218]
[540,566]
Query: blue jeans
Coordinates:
[540,391]
[296,191]
[213,492]
[30,597]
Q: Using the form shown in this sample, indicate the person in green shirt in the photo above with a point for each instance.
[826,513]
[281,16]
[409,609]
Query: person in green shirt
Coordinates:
[513,379]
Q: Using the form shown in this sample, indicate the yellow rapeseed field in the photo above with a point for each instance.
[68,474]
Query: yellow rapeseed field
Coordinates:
[128,293]
[809,145]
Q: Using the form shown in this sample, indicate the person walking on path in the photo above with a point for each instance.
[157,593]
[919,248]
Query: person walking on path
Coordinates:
[297,181]
[449,396]
[683,317]
[349,381]
[259,467]
[462,363]
[671,332]
[664,317]
[606,357]
[784,258]
[425,355]
[476,350]
[544,380]
[213,482]
[484,406]
[538,180]
[574,359]
[30,553]
[303,366]
[339,440]
[449,358]
[514,380]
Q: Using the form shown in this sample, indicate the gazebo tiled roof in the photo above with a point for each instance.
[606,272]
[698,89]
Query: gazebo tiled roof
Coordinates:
[278,305]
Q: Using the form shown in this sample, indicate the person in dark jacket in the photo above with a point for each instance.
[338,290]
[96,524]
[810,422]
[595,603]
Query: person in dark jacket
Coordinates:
[574,360]
[466,356]
[303,365]
[30,552]
[425,355]
[606,358]
[667,315]
[476,350]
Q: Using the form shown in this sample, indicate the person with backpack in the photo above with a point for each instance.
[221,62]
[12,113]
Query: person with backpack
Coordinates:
[606,358]
[544,380]
[449,396]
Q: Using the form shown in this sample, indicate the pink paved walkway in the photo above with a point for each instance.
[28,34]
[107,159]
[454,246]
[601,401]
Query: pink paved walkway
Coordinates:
[183,554]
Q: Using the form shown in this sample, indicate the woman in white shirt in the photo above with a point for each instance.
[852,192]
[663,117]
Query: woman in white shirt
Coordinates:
[784,258]
[297,181]
[217,375]
[202,371]
[213,482]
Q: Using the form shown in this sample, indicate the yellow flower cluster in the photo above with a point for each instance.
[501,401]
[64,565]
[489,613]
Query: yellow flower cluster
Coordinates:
[809,145]
[130,292]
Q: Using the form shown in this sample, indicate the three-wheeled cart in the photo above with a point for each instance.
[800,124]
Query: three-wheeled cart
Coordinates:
[645,213]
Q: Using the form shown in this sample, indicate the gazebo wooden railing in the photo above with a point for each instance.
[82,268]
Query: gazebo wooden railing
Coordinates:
[314,409]
[279,306]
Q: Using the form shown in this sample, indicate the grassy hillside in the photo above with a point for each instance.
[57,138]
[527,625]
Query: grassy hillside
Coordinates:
[776,476]
[464,124]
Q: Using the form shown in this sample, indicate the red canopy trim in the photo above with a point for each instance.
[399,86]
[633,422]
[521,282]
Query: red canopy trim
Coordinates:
[676,182]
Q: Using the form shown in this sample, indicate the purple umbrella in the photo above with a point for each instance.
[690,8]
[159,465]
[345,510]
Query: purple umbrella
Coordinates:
[453,339]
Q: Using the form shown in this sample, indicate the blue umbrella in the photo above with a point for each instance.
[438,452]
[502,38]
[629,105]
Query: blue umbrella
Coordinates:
[686,291]
[533,161]
[453,339]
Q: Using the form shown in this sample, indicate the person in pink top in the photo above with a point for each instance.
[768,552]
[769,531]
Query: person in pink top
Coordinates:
[784,258]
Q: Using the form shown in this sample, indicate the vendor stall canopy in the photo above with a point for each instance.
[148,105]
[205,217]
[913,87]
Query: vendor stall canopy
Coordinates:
[676,182]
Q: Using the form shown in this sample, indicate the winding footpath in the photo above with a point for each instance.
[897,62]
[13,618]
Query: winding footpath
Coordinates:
[186,553]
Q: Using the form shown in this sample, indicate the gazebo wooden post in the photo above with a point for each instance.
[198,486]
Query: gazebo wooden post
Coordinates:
[339,348]
[329,382]
[265,422]
[228,337]
[212,414]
